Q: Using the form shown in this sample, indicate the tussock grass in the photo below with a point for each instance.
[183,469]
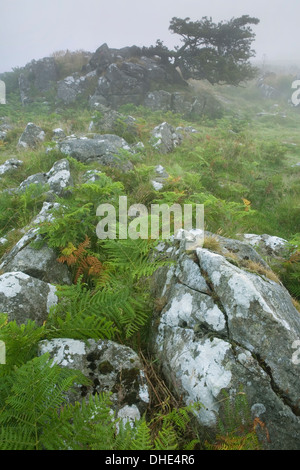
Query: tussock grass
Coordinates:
[258,268]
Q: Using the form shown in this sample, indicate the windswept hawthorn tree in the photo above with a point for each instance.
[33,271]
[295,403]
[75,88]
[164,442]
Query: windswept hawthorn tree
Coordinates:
[218,52]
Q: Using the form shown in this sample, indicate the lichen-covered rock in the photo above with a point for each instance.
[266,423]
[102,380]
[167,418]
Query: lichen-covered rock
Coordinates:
[242,250]
[220,327]
[24,298]
[164,138]
[160,178]
[58,134]
[32,136]
[39,263]
[158,100]
[104,149]
[111,367]
[268,245]
[58,178]
[70,88]
[10,165]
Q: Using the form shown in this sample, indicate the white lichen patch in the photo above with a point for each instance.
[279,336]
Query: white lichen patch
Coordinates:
[44,214]
[62,350]
[143,389]
[244,292]
[234,285]
[10,284]
[180,309]
[203,374]
[62,177]
[128,414]
[215,277]
[170,274]
[189,273]
[52,298]
[214,317]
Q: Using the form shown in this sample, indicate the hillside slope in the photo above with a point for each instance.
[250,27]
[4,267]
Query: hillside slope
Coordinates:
[126,319]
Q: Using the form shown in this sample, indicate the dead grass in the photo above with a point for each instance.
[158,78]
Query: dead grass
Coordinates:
[260,269]
[212,243]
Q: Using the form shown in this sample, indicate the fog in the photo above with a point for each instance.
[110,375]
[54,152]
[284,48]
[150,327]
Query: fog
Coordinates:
[34,29]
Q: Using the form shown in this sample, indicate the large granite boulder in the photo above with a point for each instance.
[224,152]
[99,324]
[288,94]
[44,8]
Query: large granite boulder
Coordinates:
[32,136]
[110,367]
[221,327]
[24,297]
[101,59]
[39,263]
[105,149]
[125,83]
[73,86]
[58,178]
[10,165]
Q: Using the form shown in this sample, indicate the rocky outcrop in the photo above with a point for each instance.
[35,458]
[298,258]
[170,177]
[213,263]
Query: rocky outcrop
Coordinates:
[184,103]
[222,327]
[126,75]
[39,75]
[114,77]
[71,87]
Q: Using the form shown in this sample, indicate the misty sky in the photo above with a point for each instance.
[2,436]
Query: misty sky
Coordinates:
[33,29]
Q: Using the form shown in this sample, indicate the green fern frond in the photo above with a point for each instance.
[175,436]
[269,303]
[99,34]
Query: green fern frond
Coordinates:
[82,426]
[81,326]
[131,256]
[32,392]
[142,437]
[68,224]
[166,439]
[119,308]
[20,341]
[179,418]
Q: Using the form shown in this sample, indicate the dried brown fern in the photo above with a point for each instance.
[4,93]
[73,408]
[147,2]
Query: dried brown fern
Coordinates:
[85,265]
